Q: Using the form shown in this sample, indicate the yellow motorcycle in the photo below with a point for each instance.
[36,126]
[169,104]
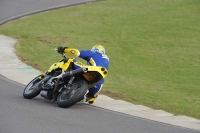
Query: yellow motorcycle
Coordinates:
[63,84]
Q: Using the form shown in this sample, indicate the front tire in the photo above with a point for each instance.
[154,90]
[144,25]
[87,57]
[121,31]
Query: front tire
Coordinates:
[32,90]
[67,98]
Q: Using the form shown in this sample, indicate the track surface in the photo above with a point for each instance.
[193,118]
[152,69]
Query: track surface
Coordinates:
[12,9]
[19,115]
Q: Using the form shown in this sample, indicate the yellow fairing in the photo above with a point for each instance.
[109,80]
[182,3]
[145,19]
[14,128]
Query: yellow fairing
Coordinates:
[80,64]
[61,65]
[103,71]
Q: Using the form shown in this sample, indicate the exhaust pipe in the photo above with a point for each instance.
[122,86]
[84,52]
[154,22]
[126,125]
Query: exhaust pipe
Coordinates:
[72,73]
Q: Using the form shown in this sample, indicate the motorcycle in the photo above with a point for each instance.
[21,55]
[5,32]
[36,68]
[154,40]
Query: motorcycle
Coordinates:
[63,84]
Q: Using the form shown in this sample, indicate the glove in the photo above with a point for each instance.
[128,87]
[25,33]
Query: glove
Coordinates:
[60,50]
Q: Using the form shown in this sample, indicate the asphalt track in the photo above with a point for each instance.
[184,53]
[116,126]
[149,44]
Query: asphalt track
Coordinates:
[12,9]
[19,115]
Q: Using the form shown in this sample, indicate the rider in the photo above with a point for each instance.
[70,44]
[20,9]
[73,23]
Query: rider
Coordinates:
[94,57]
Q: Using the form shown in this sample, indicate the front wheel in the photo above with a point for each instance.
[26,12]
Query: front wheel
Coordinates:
[32,90]
[69,97]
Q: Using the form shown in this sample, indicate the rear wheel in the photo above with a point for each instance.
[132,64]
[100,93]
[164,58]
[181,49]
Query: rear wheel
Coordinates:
[69,97]
[32,90]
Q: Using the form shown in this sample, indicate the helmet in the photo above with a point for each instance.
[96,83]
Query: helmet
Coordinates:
[98,49]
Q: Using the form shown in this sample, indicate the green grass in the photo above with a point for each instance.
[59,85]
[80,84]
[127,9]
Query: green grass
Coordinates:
[153,45]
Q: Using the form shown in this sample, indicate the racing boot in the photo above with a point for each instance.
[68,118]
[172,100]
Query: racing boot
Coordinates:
[90,99]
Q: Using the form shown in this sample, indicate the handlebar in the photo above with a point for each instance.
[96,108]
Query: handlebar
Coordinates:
[63,54]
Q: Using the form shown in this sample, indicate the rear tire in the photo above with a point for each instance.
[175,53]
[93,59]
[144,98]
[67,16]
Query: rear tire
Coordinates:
[32,90]
[68,98]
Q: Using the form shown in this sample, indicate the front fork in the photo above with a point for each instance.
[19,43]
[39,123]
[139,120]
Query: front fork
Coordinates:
[68,86]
